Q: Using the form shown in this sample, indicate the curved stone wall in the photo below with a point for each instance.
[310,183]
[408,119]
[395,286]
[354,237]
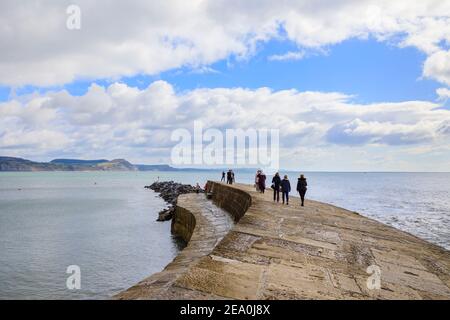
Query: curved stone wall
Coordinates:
[183,223]
[234,200]
[202,225]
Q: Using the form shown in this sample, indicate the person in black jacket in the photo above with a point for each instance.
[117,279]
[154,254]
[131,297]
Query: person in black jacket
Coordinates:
[229,177]
[276,181]
[301,188]
[285,189]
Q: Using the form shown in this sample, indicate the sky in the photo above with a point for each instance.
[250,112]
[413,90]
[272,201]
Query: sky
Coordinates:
[350,85]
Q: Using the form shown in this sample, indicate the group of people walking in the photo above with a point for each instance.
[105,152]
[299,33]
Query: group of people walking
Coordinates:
[229,175]
[281,185]
[278,185]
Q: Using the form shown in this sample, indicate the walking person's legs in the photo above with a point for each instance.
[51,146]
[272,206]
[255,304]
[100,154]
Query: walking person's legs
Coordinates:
[302,196]
[287,197]
[276,195]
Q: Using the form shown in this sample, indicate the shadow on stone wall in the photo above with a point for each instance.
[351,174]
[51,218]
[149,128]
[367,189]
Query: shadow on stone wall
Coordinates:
[233,200]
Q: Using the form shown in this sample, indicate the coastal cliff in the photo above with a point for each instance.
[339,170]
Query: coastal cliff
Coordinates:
[13,164]
[18,165]
[290,252]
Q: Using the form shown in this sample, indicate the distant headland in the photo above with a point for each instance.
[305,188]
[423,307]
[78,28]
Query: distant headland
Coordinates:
[14,164]
[18,164]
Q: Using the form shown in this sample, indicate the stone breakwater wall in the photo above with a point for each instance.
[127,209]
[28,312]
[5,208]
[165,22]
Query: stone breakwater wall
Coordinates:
[275,251]
[234,201]
[202,225]
[183,223]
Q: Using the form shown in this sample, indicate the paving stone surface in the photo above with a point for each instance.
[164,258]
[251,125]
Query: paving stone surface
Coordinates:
[276,251]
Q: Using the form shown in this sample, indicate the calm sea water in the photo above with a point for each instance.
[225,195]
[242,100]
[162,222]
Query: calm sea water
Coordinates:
[104,222]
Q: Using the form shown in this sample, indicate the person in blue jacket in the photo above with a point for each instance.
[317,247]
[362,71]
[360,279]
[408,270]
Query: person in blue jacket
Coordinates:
[285,189]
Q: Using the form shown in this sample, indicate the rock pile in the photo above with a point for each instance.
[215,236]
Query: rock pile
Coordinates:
[169,191]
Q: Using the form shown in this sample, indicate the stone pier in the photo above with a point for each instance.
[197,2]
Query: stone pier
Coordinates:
[291,252]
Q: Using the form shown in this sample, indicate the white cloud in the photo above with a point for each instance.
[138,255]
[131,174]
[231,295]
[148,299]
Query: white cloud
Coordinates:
[357,132]
[122,121]
[443,93]
[146,37]
[437,66]
[291,55]
[40,140]
[204,70]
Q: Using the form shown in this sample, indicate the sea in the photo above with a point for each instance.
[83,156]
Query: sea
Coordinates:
[101,227]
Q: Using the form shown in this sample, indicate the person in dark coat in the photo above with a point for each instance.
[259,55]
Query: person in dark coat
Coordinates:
[262,182]
[302,187]
[223,176]
[276,181]
[257,180]
[229,177]
[285,189]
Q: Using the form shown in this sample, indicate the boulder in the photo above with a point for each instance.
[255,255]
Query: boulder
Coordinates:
[169,191]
